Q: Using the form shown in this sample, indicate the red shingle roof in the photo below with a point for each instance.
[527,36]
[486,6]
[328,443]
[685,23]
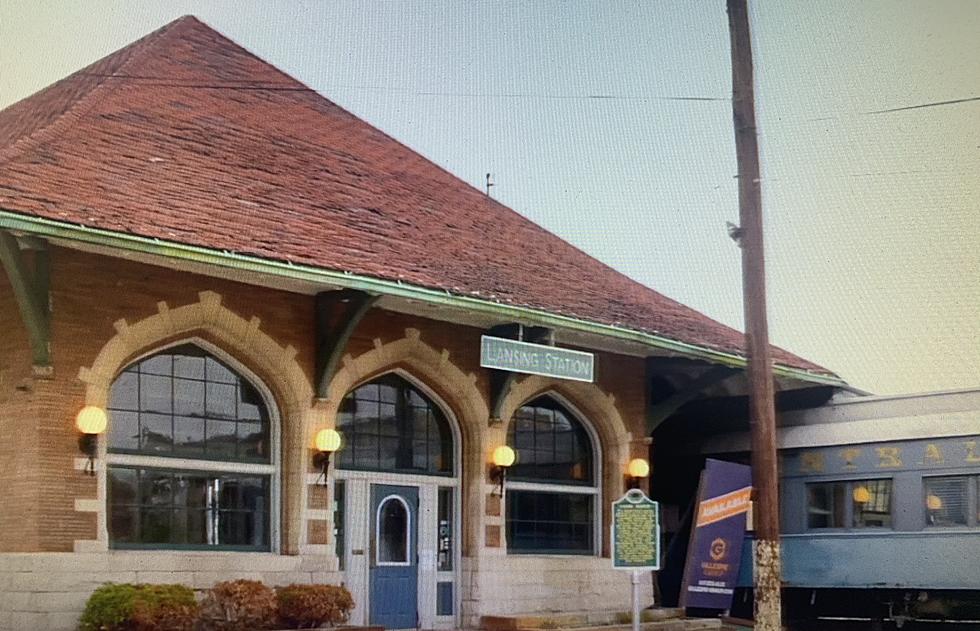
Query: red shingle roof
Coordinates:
[185,136]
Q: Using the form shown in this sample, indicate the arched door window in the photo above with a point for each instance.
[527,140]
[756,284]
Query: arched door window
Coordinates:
[189,455]
[551,491]
[390,425]
[393,538]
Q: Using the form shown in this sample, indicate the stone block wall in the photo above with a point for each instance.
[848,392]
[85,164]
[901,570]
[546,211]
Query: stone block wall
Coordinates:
[48,590]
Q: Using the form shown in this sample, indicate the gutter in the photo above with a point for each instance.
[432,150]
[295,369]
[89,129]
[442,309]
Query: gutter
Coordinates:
[41,227]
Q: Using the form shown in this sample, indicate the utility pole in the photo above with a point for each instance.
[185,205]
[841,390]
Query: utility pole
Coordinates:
[762,413]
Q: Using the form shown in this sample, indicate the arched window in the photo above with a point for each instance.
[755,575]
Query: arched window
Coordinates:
[389,425]
[551,491]
[189,455]
[393,538]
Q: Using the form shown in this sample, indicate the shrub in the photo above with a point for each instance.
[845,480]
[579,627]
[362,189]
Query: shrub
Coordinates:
[238,606]
[127,607]
[309,606]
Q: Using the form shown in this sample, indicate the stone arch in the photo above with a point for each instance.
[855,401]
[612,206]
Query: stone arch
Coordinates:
[598,409]
[243,339]
[456,388]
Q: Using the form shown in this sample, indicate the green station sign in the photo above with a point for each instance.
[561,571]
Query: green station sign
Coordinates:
[536,359]
[635,532]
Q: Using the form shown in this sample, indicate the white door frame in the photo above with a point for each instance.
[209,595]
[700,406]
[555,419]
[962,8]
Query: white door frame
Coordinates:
[358,512]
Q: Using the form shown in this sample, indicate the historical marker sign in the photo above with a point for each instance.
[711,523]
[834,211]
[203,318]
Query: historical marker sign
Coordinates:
[635,532]
[536,359]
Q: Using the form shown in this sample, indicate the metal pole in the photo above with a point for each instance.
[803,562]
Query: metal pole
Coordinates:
[636,600]
[762,414]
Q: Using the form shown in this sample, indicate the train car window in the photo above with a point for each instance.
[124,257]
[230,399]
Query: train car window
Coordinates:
[825,504]
[946,500]
[849,504]
[872,503]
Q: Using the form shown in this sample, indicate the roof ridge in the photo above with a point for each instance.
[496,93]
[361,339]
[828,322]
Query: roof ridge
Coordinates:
[75,111]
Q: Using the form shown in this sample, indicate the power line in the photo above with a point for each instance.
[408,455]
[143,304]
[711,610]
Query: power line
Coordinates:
[924,105]
[260,85]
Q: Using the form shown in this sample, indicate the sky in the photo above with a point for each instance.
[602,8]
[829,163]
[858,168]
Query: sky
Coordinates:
[609,123]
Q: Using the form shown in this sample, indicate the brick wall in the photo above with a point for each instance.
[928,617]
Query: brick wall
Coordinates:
[88,294]
[19,448]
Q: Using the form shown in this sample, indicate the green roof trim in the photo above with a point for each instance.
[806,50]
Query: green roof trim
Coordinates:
[83,234]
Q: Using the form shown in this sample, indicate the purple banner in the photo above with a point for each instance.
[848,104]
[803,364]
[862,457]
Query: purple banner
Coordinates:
[715,549]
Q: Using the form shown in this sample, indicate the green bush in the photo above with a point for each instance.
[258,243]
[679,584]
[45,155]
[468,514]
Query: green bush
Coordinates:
[238,606]
[128,607]
[310,606]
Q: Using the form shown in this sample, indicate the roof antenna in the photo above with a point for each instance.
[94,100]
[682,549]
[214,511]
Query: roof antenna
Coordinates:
[489,184]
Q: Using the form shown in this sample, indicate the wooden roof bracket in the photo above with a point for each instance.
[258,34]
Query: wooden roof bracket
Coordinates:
[659,412]
[30,281]
[501,381]
[337,314]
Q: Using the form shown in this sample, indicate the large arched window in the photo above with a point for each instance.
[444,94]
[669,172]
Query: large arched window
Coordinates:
[390,425]
[551,491]
[189,455]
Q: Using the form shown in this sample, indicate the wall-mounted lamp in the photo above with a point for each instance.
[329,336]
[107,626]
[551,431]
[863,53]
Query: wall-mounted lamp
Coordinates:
[325,443]
[636,470]
[861,495]
[501,459]
[934,502]
[90,422]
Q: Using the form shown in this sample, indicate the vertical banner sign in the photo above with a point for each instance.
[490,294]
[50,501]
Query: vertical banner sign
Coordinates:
[715,551]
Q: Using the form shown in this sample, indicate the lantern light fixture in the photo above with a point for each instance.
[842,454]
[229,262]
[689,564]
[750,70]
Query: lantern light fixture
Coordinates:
[325,443]
[502,458]
[934,502]
[636,470]
[90,422]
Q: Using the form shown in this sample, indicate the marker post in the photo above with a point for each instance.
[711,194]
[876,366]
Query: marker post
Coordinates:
[635,536]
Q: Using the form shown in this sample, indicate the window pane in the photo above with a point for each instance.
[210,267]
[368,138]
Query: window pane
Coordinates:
[404,431]
[124,430]
[189,436]
[221,437]
[339,521]
[825,505]
[125,392]
[170,404]
[124,523]
[161,364]
[155,393]
[251,441]
[393,532]
[946,501]
[549,523]
[221,400]
[188,397]
[872,503]
[155,525]
[122,486]
[251,407]
[216,371]
[152,506]
[551,445]
[189,366]
[445,558]
[156,433]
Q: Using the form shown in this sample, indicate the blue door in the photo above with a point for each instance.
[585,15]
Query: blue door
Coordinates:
[394,561]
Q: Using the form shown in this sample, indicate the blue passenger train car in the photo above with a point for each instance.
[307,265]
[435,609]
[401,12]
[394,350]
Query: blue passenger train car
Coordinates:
[880,509]
[901,518]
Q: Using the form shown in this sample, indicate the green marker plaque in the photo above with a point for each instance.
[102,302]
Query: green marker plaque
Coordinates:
[635,532]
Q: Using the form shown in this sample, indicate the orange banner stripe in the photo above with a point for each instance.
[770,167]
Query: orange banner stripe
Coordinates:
[724,506]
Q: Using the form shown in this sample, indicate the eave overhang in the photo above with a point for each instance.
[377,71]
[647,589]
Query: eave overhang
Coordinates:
[503,312]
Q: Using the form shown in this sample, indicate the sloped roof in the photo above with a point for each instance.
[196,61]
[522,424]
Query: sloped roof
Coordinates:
[185,136]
